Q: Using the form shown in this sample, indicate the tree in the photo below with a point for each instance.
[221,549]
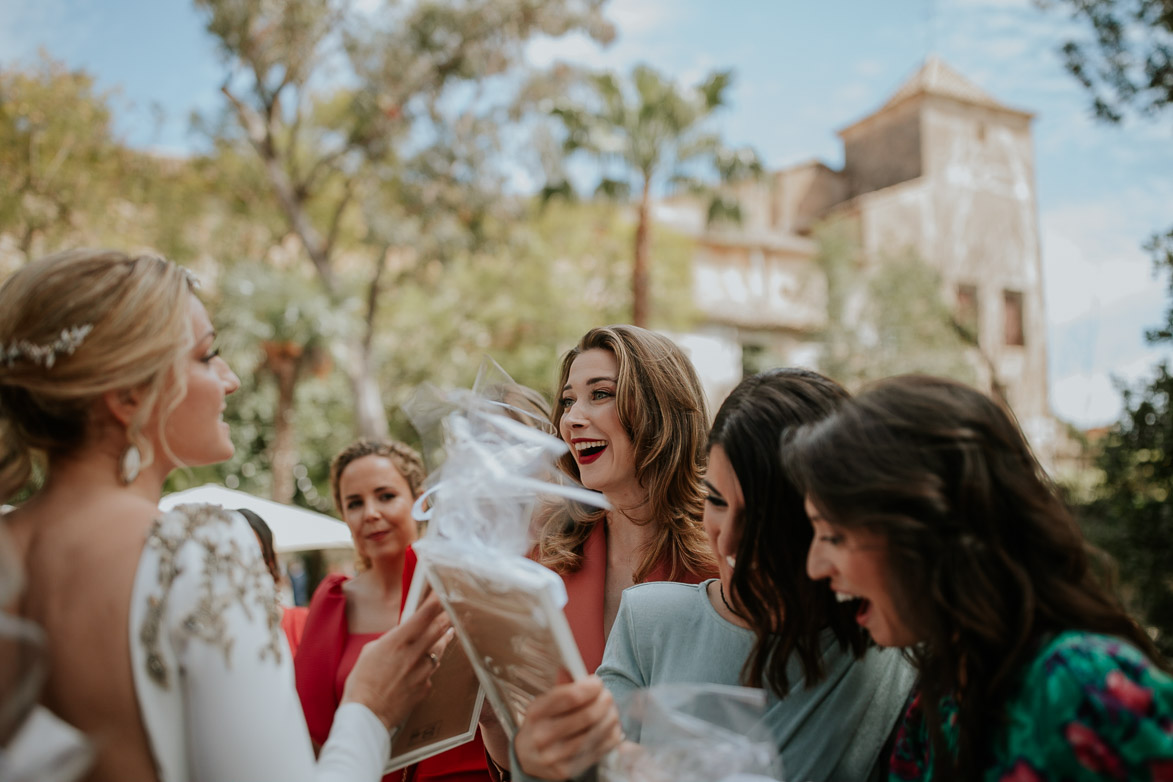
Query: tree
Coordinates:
[327,150]
[652,132]
[1127,66]
[886,318]
[566,268]
[58,153]
[1130,515]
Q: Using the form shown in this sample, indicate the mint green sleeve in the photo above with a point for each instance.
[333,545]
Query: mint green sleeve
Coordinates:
[620,669]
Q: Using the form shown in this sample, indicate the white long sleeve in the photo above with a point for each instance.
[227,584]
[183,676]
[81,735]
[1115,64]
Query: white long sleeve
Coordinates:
[213,671]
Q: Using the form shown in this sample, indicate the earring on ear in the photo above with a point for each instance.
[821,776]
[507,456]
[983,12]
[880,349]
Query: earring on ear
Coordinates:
[129,464]
[731,560]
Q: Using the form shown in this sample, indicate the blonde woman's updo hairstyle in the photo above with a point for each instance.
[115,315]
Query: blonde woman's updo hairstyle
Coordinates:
[74,326]
[661,406]
[405,458]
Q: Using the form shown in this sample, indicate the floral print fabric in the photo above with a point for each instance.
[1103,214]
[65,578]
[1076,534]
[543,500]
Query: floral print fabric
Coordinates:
[1090,707]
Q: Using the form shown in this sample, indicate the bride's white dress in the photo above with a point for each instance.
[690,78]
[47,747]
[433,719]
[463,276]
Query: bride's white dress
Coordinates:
[212,671]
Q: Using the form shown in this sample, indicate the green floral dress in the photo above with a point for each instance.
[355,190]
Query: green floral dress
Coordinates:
[1090,707]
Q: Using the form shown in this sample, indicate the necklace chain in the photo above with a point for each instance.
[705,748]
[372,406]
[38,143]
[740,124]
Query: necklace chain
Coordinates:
[721,590]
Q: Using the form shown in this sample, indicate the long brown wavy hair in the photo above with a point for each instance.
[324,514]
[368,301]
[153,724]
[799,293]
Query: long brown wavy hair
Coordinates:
[786,610]
[985,561]
[661,406]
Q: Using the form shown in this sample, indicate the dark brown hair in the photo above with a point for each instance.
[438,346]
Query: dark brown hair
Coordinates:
[264,534]
[786,610]
[661,406]
[984,558]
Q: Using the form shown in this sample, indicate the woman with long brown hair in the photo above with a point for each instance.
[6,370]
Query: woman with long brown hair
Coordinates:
[935,523]
[632,411]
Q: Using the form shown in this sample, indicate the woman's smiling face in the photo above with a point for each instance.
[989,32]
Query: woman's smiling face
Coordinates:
[376,505]
[590,423]
[855,563]
[724,504]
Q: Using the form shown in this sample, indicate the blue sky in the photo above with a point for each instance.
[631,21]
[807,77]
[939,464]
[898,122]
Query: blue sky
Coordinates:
[803,70]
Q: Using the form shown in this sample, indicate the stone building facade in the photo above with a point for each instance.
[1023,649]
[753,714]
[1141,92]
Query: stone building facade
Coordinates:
[942,169]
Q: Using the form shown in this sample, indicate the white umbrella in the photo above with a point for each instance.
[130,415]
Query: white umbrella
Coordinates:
[294,529]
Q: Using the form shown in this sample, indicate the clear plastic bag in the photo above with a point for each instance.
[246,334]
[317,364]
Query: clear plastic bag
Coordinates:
[497,459]
[499,462]
[694,733]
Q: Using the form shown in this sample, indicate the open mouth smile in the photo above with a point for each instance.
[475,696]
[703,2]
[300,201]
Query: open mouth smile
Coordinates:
[587,451]
[862,605]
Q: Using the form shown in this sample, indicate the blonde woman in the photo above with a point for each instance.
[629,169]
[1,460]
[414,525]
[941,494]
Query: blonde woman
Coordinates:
[375,483]
[163,629]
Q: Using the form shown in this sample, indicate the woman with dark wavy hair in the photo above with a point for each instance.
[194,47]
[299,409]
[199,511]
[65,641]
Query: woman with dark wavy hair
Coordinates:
[933,519]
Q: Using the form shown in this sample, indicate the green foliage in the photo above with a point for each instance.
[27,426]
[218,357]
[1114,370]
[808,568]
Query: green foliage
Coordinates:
[59,166]
[649,132]
[400,160]
[1131,516]
[1128,63]
[265,316]
[886,318]
[563,272]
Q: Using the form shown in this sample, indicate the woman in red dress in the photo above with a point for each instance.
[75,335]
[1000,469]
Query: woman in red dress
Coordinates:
[375,484]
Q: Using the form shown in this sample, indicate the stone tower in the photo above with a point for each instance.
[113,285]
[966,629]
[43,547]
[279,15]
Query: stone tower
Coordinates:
[941,168]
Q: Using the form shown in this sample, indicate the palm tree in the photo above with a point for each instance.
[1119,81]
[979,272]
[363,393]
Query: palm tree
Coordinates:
[654,132]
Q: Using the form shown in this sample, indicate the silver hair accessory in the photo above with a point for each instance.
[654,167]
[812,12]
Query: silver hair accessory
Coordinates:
[129,465]
[192,279]
[46,355]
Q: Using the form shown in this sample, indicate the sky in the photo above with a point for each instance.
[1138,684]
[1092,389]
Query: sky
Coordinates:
[802,70]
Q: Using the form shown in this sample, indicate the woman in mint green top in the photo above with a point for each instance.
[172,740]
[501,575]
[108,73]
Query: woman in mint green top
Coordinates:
[934,521]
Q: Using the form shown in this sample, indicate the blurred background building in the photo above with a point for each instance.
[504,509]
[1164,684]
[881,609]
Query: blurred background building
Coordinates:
[942,170]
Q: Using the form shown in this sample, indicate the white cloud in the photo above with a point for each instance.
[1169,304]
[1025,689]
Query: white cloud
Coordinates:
[1092,256]
[633,17]
[577,48]
[639,27]
[1093,398]
[855,94]
[870,68]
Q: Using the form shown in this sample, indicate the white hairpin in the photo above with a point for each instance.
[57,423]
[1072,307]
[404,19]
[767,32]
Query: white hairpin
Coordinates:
[46,355]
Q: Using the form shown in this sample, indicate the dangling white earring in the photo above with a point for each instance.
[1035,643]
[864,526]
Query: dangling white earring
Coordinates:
[129,464]
[731,561]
